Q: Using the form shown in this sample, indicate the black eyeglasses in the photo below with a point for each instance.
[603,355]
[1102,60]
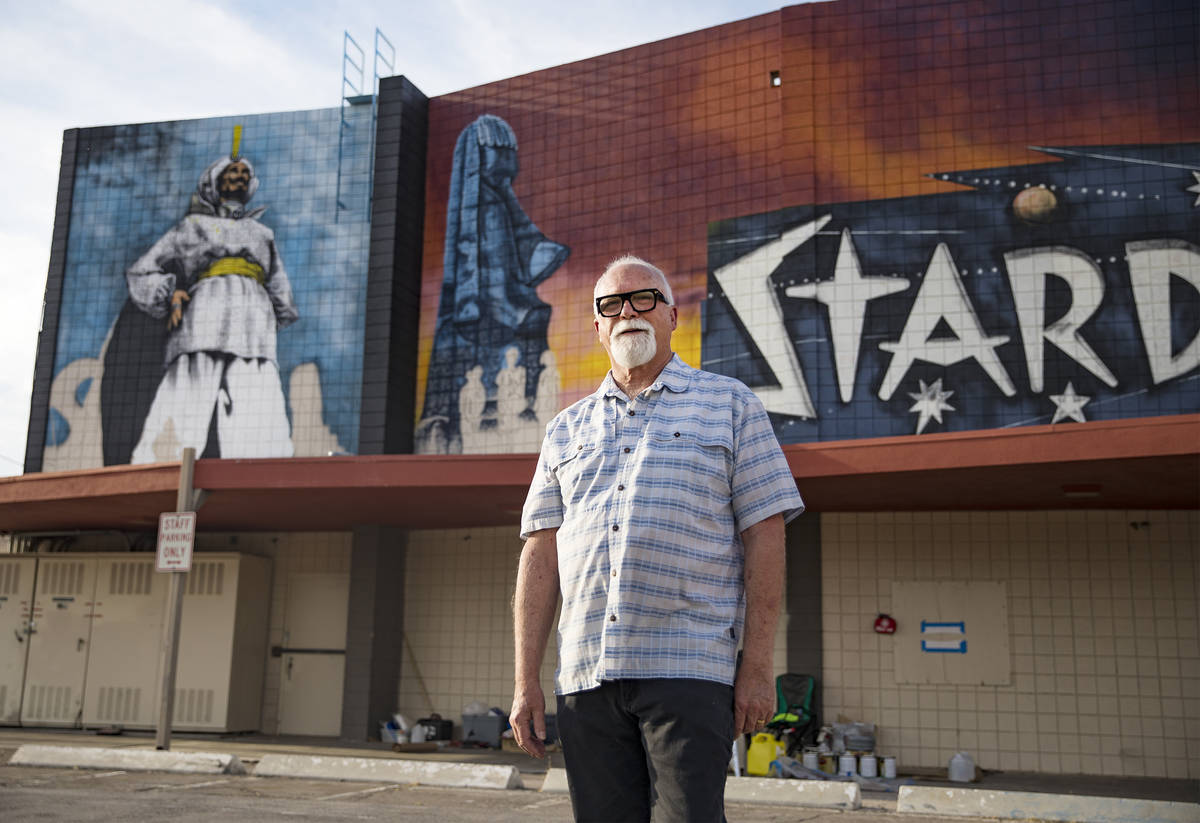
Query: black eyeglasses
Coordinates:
[642,300]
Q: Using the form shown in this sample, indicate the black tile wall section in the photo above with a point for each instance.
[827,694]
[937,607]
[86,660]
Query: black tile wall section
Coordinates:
[374,630]
[804,599]
[394,270]
[43,369]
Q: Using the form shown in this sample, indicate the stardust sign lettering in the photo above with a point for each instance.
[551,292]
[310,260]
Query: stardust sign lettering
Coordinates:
[1045,293]
[176,536]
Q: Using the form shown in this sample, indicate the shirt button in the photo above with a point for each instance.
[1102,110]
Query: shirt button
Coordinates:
[676,434]
[627,448]
[612,618]
[614,572]
[632,412]
[616,528]
[621,487]
[579,447]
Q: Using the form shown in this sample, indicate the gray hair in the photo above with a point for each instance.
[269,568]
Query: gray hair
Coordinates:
[634,260]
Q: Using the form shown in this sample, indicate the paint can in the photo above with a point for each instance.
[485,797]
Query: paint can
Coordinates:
[847,765]
[810,760]
[868,766]
[889,768]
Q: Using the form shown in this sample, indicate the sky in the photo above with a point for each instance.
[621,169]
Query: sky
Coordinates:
[82,63]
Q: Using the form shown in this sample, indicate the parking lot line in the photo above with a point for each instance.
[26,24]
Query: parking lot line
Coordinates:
[360,791]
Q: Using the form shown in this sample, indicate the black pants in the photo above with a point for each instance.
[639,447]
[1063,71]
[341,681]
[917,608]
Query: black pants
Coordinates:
[637,746]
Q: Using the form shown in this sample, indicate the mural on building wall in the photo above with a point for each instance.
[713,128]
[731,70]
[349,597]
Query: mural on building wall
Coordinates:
[1045,293]
[183,332]
[217,279]
[492,376]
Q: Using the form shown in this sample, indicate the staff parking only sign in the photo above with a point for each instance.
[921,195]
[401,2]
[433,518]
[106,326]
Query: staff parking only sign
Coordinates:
[176,535]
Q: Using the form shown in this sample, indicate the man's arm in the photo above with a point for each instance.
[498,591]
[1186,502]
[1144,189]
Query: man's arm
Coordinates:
[153,289]
[754,689]
[533,614]
[279,289]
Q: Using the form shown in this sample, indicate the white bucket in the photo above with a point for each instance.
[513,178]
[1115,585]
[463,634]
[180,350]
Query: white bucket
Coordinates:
[868,766]
[847,765]
[810,760]
[889,767]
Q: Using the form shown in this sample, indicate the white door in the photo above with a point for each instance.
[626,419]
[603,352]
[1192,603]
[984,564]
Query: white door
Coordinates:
[16,599]
[58,643]
[314,654]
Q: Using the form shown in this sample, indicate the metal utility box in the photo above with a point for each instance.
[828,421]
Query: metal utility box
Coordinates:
[223,644]
[125,664]
[16,601]
[59,637]
[95,633]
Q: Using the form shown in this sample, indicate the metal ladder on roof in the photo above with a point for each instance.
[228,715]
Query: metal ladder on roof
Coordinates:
[354,93]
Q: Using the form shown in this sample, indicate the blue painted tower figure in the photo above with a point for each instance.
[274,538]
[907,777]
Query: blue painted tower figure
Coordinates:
[495,257]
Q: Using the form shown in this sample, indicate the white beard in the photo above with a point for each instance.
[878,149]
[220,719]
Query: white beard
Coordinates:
[631,351]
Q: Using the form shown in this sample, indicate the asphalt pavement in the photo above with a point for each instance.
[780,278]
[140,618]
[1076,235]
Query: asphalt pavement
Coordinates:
[109,796]
[110,791]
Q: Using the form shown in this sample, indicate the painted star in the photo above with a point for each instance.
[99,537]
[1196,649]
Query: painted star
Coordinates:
[931,402]
[846,297]
[1069,404]
[1195,188]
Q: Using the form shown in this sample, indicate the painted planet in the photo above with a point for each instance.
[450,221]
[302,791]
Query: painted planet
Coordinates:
[1035,205]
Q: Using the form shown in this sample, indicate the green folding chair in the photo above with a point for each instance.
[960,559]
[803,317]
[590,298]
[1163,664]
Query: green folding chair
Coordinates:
[794,722]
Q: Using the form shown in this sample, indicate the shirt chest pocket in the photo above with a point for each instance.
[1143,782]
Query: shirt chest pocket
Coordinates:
[577,469]
[701,454]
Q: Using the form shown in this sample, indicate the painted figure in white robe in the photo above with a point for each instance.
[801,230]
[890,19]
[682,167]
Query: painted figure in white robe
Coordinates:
[217,280]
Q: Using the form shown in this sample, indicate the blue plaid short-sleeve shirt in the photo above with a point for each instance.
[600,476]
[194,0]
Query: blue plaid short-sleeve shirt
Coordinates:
[649,496]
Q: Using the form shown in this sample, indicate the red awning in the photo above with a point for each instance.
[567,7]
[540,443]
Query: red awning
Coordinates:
[1144,463]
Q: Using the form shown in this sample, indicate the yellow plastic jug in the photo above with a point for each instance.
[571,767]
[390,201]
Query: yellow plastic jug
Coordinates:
[764,747]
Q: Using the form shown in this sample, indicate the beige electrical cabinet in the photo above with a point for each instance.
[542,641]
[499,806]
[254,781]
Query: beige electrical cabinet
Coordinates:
[124,667]
[16,600]
[223,644]
[94,654]
[59,635]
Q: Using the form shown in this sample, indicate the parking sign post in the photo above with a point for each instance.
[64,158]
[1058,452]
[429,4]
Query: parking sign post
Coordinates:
[176,537]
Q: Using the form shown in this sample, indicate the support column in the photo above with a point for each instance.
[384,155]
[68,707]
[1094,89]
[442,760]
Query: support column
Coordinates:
[374,630]
[804,598]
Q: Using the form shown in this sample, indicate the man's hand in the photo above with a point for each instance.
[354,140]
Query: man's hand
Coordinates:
[529,706]
[753,699]
[178,298]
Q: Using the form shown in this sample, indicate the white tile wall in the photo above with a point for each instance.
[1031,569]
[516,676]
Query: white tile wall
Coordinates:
[1104,638]
[458,622]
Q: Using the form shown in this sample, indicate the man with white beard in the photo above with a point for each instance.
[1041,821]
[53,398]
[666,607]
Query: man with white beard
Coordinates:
[658,510]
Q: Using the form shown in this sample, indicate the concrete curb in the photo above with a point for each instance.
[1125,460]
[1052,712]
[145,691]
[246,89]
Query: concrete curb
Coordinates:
[825,794]
[815,793]
[141,760]
[1070,808]
[556,781]
[381,770]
